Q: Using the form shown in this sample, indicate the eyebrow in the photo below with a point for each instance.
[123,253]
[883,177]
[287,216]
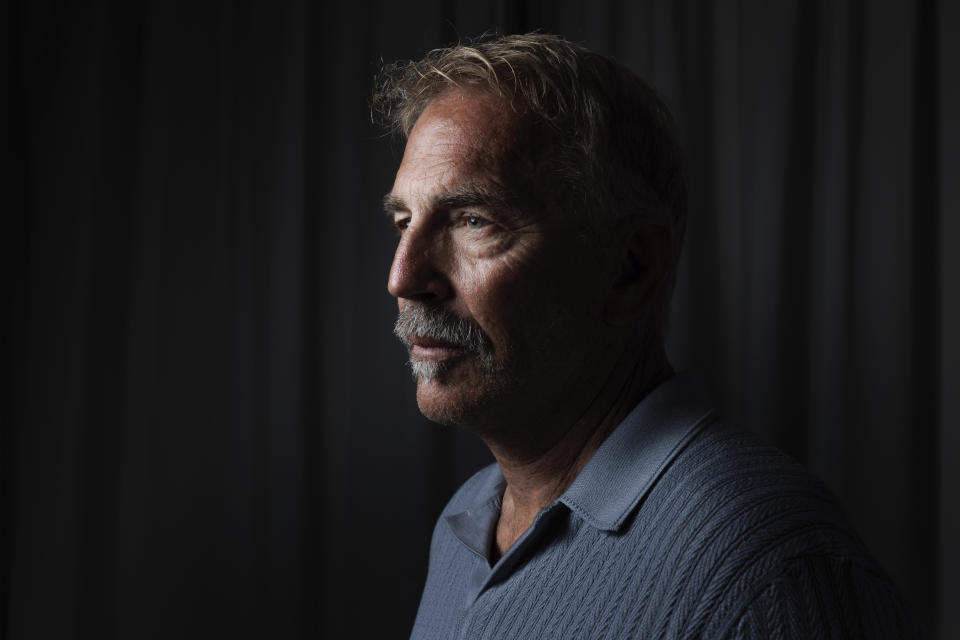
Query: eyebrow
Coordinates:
[393,204]
[463,197]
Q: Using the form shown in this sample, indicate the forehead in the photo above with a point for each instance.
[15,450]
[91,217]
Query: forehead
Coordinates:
[458,135]
[474,118]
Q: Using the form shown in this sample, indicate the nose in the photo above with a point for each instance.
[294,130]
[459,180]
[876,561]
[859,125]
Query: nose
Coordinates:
[417,272]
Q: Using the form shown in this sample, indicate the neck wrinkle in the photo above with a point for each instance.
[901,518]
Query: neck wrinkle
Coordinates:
[537,478]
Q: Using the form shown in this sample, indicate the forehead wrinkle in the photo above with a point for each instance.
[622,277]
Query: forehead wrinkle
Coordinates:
[459,154]
[475,122]
[495,147]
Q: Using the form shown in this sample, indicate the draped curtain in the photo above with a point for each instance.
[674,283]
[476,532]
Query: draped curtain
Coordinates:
[208,428]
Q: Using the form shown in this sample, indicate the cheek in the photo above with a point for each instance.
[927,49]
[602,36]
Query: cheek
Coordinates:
[520,309]
[497,293]
[492,273]
[523,296]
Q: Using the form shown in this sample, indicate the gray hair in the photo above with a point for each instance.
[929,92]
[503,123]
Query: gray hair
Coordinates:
[605,142]
[431,321]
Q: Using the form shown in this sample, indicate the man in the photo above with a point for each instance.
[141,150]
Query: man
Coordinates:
[540,207]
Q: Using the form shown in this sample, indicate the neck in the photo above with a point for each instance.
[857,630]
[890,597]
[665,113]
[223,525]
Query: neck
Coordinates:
[541,466]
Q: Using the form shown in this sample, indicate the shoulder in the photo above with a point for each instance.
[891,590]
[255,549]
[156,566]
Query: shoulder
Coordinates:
[744,494]
[821,596]
[726,473]
[756,540]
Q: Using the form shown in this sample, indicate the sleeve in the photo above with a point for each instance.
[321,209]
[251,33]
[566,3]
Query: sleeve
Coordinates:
[821,597]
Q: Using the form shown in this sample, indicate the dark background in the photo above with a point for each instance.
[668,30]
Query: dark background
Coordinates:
[208,428]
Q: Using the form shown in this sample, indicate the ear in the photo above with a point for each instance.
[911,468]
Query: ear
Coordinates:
[641,251]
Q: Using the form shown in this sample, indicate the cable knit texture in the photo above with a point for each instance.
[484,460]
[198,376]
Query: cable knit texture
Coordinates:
[732,539]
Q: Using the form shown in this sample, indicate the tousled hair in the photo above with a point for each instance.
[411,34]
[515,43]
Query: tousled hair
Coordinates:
[602,140]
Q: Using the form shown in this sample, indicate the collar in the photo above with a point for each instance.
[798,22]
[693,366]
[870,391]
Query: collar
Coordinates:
[615,479]
[633,457]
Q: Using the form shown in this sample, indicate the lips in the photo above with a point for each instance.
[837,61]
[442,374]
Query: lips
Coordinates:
[432,343]
[427,348]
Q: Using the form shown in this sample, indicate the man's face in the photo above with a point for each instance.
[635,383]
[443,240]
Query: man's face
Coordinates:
[500,299]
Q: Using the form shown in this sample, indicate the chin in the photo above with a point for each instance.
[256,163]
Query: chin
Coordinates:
[428,370]
[461,393]
[454,400]
[440,401]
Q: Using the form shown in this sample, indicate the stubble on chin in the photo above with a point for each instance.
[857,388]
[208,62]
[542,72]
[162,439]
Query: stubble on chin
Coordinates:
[426,370]
[458,390]
[464,392]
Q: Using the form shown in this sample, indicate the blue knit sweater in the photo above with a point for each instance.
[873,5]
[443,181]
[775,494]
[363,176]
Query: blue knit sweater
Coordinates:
[680,526]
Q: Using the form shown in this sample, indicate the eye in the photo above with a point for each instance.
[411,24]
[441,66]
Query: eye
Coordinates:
[401,223]
[475,222]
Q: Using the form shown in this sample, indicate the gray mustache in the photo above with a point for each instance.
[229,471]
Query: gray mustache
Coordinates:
[416,319]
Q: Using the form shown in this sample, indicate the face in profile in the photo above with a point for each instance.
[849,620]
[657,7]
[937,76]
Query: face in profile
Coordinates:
[500,300]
